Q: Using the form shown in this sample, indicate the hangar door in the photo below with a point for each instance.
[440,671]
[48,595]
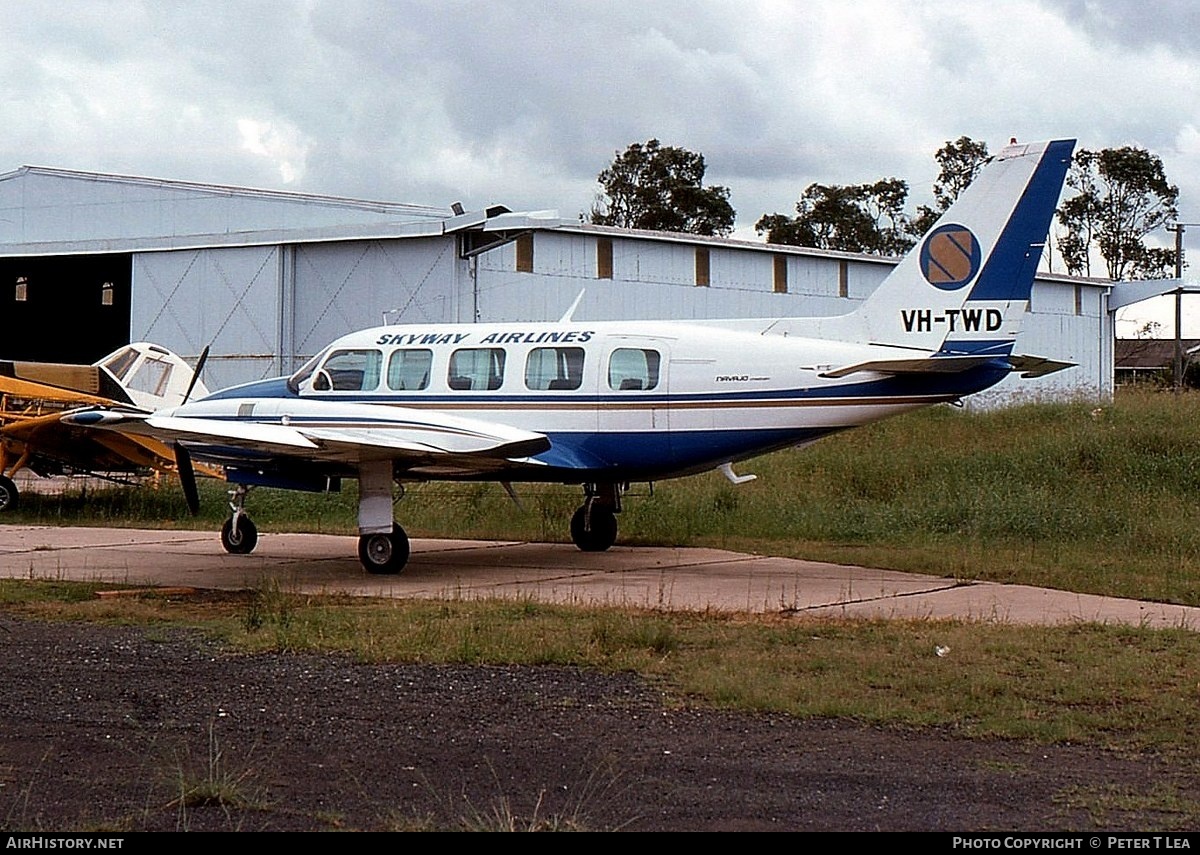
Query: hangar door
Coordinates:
[71,308]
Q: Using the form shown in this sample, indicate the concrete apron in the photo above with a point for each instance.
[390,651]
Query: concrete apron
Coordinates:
[645,577]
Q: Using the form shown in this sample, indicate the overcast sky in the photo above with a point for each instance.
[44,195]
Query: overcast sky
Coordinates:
[524,103]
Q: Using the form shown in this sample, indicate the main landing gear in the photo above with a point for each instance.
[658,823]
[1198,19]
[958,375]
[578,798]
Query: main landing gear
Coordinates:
[383,546]
[594,524]
[384,552]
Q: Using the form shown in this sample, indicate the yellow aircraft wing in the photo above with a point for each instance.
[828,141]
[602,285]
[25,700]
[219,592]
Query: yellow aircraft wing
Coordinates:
[33,398]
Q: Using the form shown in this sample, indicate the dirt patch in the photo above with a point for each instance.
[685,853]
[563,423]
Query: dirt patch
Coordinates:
[130,729]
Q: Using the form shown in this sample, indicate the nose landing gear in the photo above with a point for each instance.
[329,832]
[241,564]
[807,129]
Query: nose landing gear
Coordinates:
[239,534]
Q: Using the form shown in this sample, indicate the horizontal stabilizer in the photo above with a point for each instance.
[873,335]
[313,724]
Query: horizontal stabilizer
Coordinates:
[1037,366]
[1029,366]
[922,365]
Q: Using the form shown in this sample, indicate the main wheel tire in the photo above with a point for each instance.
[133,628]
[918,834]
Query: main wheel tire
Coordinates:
[243,541]
[384,553]
[594,531]
[8,494]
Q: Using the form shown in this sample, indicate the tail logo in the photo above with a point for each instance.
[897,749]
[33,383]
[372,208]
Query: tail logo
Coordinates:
[950,257]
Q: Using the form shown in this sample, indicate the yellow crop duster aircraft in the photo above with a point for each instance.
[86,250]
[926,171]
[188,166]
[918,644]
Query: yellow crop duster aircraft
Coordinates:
[139,377]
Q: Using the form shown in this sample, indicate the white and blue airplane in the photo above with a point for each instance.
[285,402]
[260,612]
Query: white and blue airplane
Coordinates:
[606,403]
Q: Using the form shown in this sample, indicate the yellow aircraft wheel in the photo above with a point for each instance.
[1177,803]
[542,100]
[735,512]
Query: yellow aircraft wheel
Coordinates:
[8,494]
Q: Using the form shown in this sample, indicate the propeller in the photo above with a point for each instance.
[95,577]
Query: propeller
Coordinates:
[196,374]
[183,458]
[187,478]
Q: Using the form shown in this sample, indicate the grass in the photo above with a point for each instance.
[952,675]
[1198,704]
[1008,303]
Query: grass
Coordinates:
[1123,688]
[212,782]
[1072,496]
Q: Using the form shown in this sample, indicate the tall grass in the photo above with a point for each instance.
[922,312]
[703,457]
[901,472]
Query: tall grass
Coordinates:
[1099,499]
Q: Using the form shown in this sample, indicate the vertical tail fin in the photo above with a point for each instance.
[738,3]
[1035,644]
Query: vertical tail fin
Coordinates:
[964,288]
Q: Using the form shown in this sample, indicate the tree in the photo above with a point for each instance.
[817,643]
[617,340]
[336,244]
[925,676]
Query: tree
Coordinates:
[1123,195]
[852,218]
[870,217]
[960,162]
[659,187]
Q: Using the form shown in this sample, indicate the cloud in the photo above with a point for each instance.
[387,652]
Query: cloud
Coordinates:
[524,103]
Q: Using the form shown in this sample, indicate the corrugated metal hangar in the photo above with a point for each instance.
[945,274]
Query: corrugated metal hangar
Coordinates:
[90,261]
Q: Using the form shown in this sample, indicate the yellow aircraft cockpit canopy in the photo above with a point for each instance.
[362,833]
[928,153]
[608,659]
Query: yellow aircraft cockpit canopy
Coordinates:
[152,376]
[120,362]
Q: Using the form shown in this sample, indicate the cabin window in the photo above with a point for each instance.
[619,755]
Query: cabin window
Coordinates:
[152,377]
[604,258]
[702,267]
[781,282]
[843,279]
[631,368]
[121,361]
[525,253]
[477,368]
[349,371]
[553,368]
[408,370]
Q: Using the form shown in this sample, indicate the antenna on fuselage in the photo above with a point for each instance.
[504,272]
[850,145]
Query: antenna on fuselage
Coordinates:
[567,318]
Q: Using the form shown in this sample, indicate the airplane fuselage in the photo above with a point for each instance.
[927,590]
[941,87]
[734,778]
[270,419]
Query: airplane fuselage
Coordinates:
[623,401]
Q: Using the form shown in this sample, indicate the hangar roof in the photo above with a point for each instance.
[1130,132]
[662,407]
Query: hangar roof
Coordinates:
[45,210]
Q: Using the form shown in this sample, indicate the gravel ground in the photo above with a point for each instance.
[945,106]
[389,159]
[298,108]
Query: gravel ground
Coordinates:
[129,729]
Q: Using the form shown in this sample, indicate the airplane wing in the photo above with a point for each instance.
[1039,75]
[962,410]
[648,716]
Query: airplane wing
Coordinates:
[41,395]
[340,436]
[95,451]
[1029,366]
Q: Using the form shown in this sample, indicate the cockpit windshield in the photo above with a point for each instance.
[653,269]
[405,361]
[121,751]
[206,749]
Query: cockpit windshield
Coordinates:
[306,371]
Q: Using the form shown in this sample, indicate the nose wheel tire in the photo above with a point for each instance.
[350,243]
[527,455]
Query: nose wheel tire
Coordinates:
[241,542]
[384,553]
[594,530]
[8,494]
